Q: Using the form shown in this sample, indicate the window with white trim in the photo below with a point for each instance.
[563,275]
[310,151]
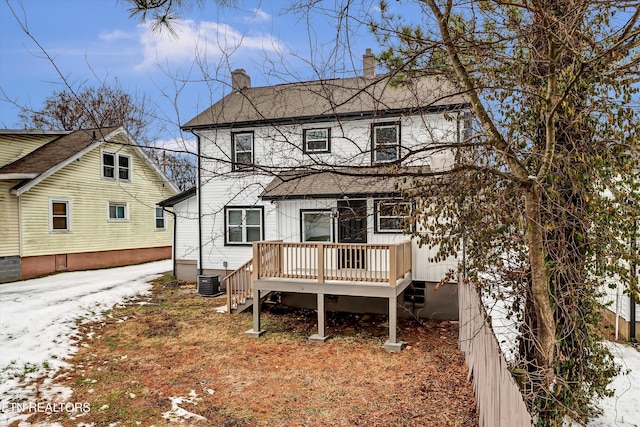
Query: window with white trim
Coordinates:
[242,150]
[385,141]
[392,216]
[243,225]
[60,215]
[316,140]
[118,211]
[317,226]
[116,166]
[160,220]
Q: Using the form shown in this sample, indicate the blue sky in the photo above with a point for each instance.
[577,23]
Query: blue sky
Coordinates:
[95,41]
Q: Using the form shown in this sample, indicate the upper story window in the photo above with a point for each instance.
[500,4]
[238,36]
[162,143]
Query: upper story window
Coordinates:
[160,220]
[60,215]
[385,142]
[392,216]
[243,225]
[316,140]
[242,150]
[116,166]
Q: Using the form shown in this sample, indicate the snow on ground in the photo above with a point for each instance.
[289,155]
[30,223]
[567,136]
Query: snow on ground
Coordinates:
[38,331]
[623,409]
[620,410]
[39,327]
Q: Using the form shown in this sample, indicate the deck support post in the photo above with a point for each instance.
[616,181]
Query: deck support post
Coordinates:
[392,343]
[256,331]
[320,336]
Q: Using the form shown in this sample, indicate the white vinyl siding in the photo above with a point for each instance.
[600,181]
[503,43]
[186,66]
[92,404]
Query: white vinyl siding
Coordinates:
[283,146]
[186,229]
[92,231]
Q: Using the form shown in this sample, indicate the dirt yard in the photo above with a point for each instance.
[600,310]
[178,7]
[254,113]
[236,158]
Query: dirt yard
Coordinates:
[170,359]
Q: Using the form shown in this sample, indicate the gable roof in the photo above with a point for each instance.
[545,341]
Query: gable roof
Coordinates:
[323,100]
[343,182]
[53,156]
[55,152]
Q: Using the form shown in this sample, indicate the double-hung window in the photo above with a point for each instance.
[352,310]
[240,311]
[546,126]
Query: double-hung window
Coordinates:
[385,142]
[392,216]
[60,215]
[316,140]
[316,226]
[118,211]
[116,166]
[243,225]
[242,150]
[159,218]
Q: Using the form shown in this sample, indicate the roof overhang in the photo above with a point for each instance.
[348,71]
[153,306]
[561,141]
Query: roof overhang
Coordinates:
[14,176]
[330,117]
[174,200]
[343,183]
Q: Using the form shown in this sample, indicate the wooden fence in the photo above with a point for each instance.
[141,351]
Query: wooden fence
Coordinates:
[498,398]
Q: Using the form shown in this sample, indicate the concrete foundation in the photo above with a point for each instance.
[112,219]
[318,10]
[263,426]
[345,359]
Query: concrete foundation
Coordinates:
[10,268]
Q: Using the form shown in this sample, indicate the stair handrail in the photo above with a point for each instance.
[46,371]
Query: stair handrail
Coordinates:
[239,286]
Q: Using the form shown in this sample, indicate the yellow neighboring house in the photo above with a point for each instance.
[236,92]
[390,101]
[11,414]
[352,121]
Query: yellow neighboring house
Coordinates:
[75,200]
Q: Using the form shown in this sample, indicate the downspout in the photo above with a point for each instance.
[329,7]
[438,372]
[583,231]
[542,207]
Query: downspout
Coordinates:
[20,231]
[632,300]
[199,199]
[175,228]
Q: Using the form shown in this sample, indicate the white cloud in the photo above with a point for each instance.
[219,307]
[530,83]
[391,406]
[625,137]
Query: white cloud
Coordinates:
[116,35]
[259,15]
[198,39]
[177,145]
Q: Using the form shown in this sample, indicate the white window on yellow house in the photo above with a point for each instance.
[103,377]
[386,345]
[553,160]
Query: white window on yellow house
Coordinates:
[160,218]
[59,215]
[118,211]
[116,166]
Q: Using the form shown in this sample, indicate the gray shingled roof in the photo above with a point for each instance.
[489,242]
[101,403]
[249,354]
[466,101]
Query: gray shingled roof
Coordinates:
[55,152]
[341,182]
[326,99]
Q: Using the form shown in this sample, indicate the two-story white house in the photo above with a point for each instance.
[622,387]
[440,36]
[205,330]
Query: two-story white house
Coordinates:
[314,172]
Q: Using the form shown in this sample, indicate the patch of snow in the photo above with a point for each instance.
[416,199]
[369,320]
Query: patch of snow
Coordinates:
[39,327]
[177,413]
[623,409]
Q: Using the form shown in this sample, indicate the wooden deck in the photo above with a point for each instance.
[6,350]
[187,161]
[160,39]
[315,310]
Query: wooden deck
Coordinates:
[363,270]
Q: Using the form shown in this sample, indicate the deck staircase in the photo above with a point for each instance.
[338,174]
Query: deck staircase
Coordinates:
[239,289]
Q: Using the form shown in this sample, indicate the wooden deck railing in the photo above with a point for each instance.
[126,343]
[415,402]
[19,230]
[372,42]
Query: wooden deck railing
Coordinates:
[239,285]
[382,263]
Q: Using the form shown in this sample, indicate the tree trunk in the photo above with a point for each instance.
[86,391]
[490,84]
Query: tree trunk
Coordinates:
[546,327]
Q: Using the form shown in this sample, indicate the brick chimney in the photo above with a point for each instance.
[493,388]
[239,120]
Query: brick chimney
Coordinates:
[240,80]
[369,64]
